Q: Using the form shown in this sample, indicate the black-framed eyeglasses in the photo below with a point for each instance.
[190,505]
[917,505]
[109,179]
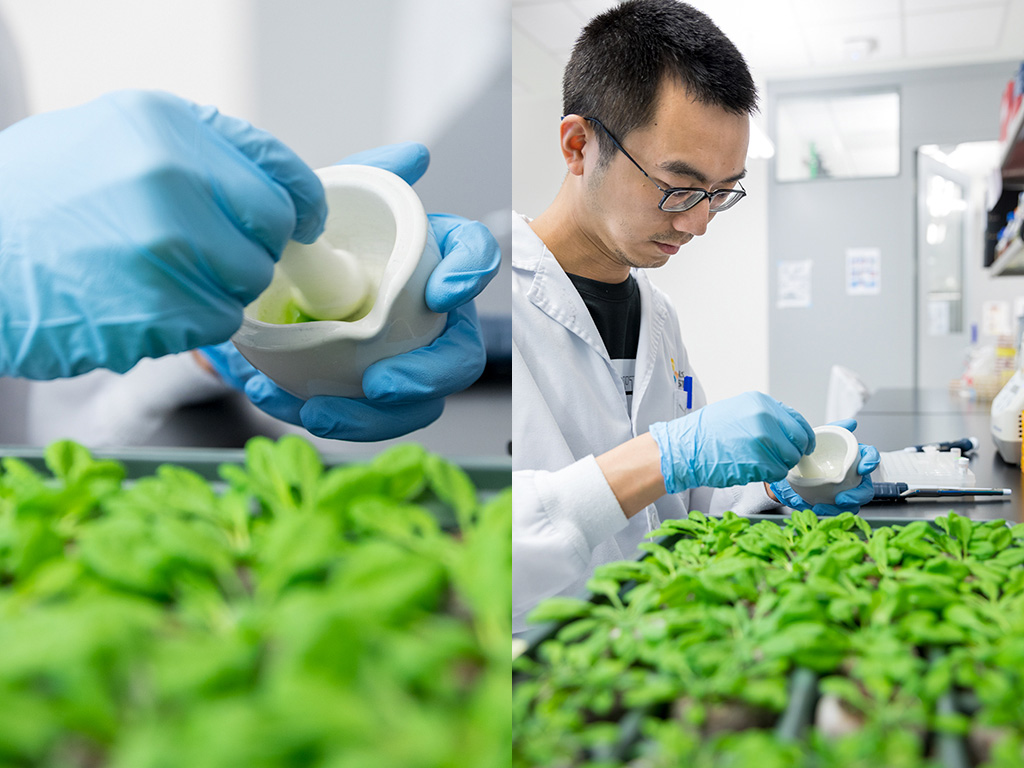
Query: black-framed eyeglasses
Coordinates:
[679,199]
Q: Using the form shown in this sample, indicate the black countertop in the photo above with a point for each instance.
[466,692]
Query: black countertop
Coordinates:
[893,419]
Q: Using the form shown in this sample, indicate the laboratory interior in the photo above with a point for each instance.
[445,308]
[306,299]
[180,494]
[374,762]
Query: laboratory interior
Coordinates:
[188,580]
[875,271]
[872,268]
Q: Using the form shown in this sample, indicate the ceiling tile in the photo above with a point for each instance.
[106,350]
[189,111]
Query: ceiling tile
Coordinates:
[927,6]
[787,38]
[553,25]
[766,33]
[819,12]
[828,42]
[749,15]
[951,32]
[588,9]
[783,50]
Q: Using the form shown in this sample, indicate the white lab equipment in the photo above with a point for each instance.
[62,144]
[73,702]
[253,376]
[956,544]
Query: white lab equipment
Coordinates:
[847,393]
[376,218]
[829,469]
[1006,418]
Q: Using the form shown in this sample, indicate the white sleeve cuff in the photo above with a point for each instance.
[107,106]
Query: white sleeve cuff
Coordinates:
[579,500]
[558,519]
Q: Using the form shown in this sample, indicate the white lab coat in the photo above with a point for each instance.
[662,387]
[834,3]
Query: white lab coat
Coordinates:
[568,406]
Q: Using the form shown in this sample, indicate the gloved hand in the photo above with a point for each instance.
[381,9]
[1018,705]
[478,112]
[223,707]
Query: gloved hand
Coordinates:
[741,440]
[846,501]
[406,392]
[137,225]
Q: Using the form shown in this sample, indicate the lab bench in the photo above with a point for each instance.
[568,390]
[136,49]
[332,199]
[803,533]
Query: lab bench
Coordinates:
[893,419]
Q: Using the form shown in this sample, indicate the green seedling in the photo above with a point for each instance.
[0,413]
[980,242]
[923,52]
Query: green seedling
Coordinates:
[301,616]
[719,612]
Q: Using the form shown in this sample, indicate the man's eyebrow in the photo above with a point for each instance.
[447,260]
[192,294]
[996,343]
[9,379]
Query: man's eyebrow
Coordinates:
[682,168]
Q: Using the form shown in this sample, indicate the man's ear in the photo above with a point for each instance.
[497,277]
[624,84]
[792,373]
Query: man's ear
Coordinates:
[575,139]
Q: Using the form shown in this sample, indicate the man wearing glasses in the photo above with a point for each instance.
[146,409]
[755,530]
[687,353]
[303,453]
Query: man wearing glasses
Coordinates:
[611,427]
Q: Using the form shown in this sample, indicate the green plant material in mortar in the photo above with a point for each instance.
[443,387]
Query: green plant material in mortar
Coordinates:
[289,313]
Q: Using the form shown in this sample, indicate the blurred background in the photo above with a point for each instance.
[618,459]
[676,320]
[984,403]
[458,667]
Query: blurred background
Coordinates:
[329,78]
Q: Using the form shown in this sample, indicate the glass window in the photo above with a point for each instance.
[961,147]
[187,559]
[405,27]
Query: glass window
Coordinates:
[837,136]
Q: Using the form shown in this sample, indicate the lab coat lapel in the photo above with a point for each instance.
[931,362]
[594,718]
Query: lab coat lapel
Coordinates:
[551,290]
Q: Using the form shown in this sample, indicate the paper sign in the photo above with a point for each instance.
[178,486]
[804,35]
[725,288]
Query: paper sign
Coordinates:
[995,319]
[794,284]
[938,318]
[863,271]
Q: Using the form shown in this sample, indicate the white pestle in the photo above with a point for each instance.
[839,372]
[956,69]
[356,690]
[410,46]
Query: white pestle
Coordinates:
[327,283]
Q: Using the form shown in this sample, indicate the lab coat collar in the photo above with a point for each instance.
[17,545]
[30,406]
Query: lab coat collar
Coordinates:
[550,290]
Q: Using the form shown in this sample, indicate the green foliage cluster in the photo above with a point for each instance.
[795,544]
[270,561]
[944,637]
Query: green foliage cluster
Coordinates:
[687,656]
[291,616]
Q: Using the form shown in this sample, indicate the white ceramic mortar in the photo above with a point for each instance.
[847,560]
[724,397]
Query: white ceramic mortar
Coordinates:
[378,218]
[830,469]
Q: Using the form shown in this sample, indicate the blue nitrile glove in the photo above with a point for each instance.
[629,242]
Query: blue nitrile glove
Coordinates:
[736,441]
[846,501]
[137,225]
[406,392]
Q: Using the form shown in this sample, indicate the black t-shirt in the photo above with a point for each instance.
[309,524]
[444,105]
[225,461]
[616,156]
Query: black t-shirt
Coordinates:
[615,308]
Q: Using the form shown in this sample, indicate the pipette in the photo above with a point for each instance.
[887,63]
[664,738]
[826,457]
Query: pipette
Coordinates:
[902,492]
[966,445]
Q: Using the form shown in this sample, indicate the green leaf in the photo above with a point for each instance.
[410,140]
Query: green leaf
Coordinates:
[292,549]
[122,552]
[804,520]
[847,690]
[952,722]
[878,548]
[963,529]
[403,469]
[864,526]
[1010,558]
[606,587]
[769,693]
[67,460]
[560,609]
[622,570]
[1001,538]
[453,487]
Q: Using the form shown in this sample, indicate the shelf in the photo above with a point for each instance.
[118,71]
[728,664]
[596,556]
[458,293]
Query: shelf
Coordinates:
[1012,154]
[1010,261]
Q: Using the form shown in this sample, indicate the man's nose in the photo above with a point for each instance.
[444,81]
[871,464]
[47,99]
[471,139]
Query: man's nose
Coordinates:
[695,220]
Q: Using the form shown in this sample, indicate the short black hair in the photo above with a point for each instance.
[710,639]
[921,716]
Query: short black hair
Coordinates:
[622,56]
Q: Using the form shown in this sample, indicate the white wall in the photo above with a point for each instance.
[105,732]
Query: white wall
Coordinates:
[718,282]
[72,52]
